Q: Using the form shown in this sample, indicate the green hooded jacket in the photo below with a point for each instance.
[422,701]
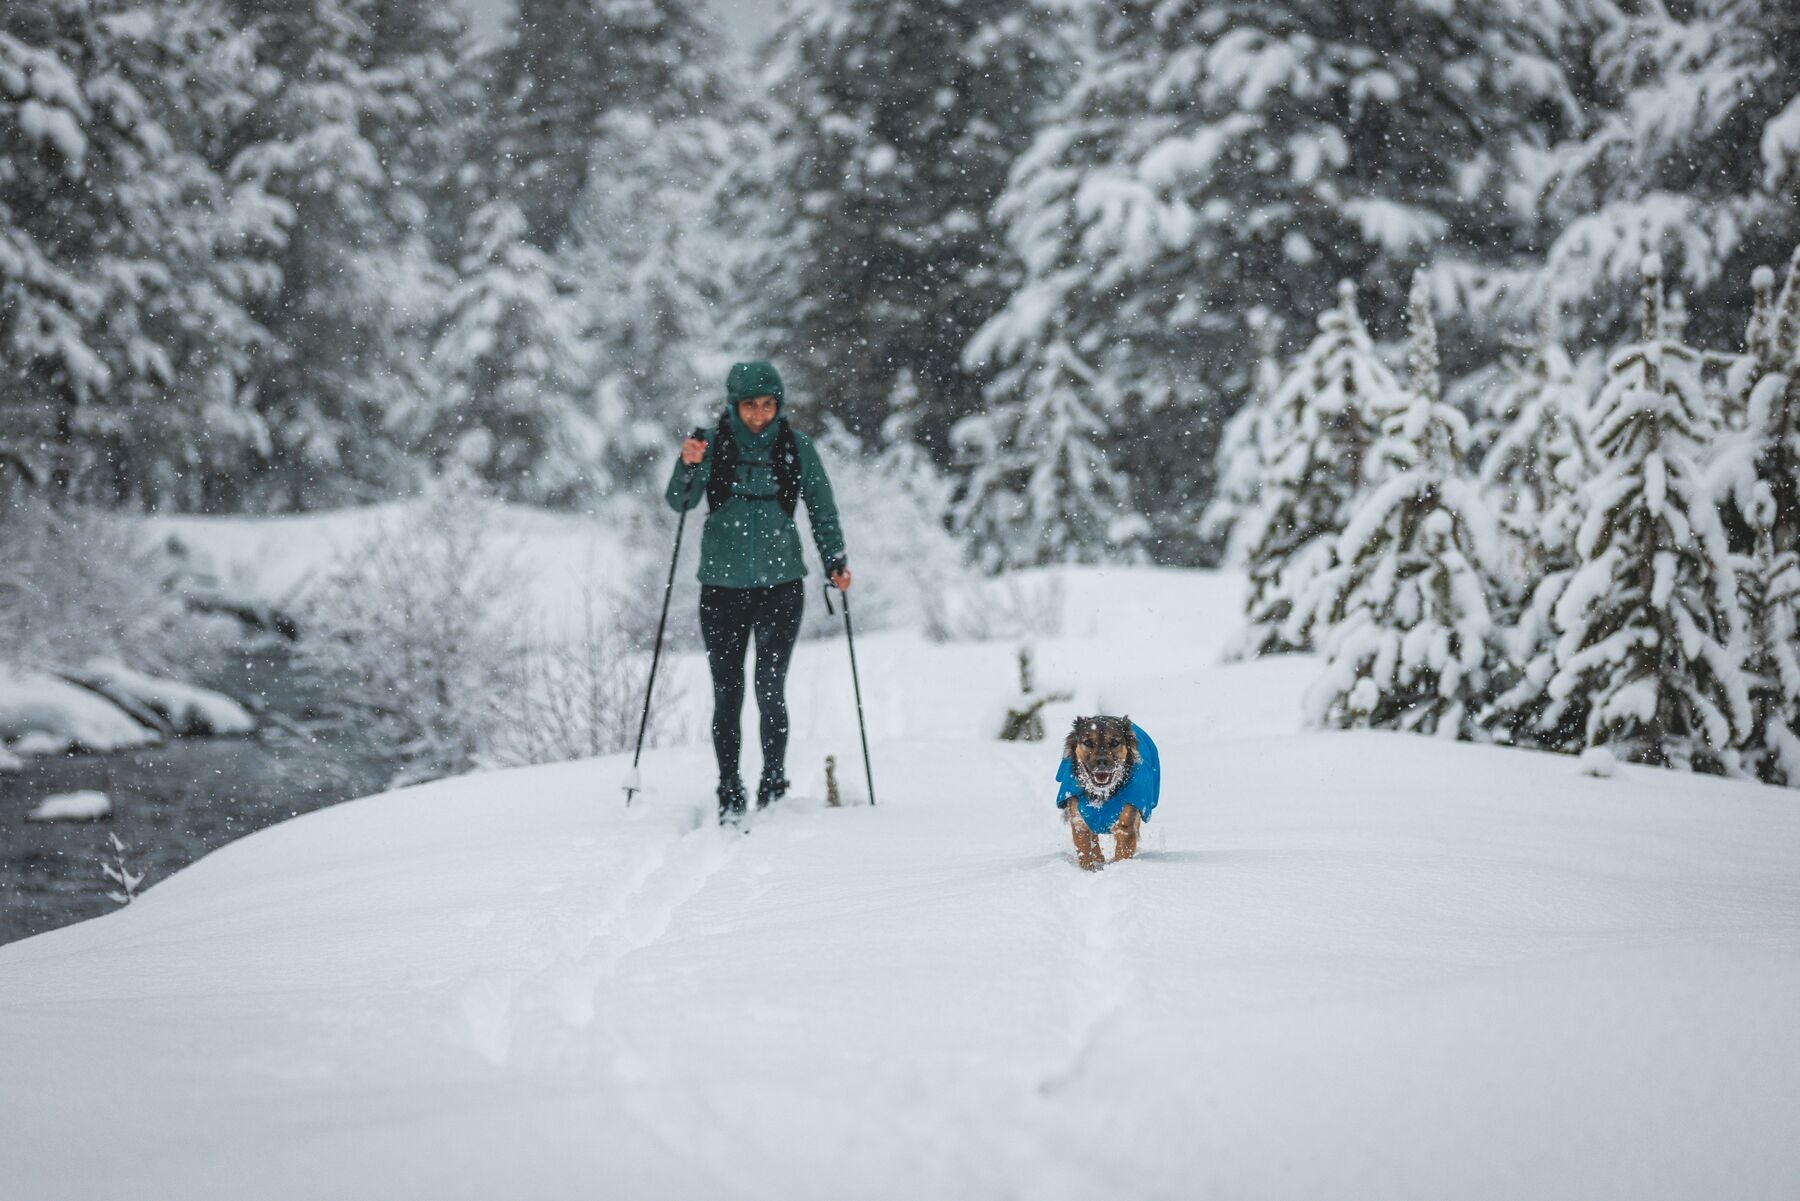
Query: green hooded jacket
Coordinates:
[750,541]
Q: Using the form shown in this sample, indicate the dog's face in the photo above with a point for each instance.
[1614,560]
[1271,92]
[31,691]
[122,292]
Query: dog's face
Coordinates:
[1103,750]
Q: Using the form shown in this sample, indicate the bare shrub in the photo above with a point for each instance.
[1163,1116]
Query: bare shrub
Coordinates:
[411,643]
[581,693]
[75,584]
[1006,607]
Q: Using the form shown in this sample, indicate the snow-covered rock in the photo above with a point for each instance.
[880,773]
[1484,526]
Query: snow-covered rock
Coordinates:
[1598,762]
[39,744]
[35,703]
[8,760]
[85,806]
[188,709]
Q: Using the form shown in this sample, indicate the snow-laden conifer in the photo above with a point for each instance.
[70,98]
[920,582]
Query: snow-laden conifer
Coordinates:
[1532,479]
[901,119]
[1208,159]
[1687,146]
[129,261]
[515,412]
[1038,488]
[1239,465]
[1765,454]
[1314,437]
[1650,617]
[1536,463]
[1769,587]
[1410,633]
[1756,479]
[563,71]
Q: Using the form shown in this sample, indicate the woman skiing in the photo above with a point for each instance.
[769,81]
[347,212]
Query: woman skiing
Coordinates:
[753,469]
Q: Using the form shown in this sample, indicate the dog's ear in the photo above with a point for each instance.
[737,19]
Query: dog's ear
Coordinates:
[1131,740]
[1070,741]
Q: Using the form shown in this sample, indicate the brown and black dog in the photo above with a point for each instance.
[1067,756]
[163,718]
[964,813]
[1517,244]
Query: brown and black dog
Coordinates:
[1101,758]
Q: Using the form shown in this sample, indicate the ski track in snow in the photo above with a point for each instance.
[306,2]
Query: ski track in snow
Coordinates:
[1098,974]
[588,950]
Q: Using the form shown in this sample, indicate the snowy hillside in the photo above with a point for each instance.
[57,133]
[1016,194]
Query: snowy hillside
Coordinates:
[1347,965]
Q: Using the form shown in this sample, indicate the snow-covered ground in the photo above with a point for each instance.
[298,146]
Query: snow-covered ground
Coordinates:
[1347,965]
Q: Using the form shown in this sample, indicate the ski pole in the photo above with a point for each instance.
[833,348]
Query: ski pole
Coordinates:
[632,782]
[868,772]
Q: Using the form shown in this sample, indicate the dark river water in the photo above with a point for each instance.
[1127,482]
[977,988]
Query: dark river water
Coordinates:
[171,805]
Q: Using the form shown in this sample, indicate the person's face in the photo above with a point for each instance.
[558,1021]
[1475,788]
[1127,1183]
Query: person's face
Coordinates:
[756,412]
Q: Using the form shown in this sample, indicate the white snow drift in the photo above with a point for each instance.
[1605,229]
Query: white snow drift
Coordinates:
[1347,965]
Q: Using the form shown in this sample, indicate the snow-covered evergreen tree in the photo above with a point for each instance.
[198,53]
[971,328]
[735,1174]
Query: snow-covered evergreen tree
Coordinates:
[903,119]
[1756,479]
[518,411]
[1410,642]
[1688,147]
[905,467]
[342,89]
[1211,158]
[125,259]
[897,498]
[1650,618]
[1240,463]
[1770,591]
[1534,468]
[563,70]
[1764,455]
[1532,477]
[1037,488]
[1314,438]
[671,270]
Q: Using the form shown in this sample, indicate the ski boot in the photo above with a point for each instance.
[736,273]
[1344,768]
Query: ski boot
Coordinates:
[732,801]
[771,788]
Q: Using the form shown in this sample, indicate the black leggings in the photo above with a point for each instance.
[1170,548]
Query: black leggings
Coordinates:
[728,616]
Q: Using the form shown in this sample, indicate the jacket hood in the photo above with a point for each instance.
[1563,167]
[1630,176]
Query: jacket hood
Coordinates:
[755,378]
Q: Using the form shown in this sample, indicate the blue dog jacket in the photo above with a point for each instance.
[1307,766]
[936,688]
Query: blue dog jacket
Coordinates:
[1141,790]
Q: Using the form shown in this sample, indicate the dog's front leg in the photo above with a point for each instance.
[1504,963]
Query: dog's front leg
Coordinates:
[1087,843]
[1125,833]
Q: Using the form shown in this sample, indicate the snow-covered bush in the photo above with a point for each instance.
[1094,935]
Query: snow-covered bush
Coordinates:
[414,639]
[578,692]
[1012,605]
[75,584]
[891,501]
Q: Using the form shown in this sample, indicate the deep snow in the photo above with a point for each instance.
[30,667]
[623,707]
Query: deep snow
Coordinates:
[1348,965]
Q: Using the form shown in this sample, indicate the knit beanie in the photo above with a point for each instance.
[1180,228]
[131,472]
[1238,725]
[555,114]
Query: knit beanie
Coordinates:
[755,378]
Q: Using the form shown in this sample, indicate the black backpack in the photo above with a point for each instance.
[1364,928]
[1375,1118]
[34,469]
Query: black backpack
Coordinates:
[784,456]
